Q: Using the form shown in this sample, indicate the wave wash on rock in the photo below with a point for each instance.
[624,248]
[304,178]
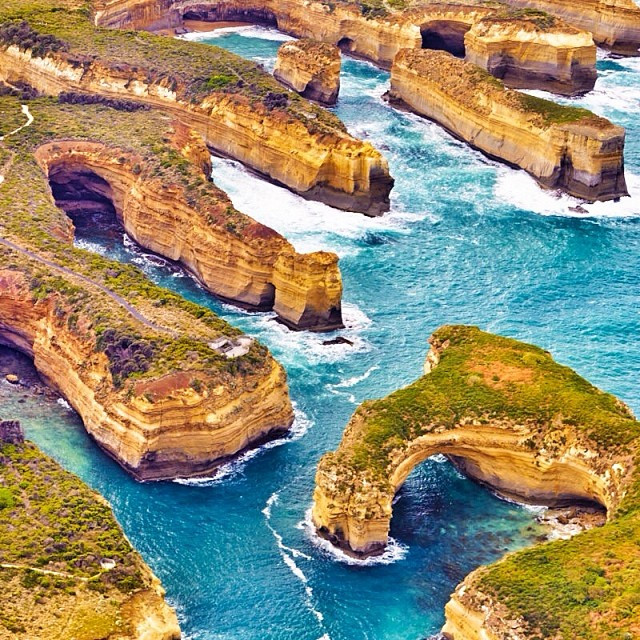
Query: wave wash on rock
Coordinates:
[511,418]
[163,385]
[240,110]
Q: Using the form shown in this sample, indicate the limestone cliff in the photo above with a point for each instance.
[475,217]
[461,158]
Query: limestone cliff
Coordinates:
[511,418]
[528,49]
[235,257]
[239,109]
[164,386]
[66,568]
[615,24]
[311,68]
[562,147]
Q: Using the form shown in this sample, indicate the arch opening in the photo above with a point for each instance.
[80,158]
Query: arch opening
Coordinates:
[445,35]
[346,45]
[87,199]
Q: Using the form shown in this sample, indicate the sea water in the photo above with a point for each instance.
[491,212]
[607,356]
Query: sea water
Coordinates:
[467,241]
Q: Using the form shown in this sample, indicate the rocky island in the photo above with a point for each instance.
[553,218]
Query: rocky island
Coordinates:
[164,386]
[511,418]
[560,146]
[239,109]
[526,47]
[311,68]
[66,568]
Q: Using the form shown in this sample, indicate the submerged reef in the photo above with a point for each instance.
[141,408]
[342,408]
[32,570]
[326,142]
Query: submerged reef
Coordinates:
[507,415]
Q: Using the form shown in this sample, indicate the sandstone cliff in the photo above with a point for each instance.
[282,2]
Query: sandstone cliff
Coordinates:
[66,568]
[149,373]
[528,49]
[238,108]
[615,24]
[311,68]
[511,418]
[561,147]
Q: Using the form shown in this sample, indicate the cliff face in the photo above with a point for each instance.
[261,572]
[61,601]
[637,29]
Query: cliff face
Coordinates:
[165,427]
[41,502]
[334,168]
[242,261]
[556,57]
[564,148]
[615,24]
[311,68]
[508,416]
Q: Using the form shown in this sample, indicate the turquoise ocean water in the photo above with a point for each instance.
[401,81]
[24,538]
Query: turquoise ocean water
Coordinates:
[468,241]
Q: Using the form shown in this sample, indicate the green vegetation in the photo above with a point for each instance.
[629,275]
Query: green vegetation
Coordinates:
[52,522]
[192,69]
[585,588]
[31,218]
[553,112]
[489,377]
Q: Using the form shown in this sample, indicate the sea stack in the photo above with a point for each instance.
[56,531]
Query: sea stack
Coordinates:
[565,148]
[311,68]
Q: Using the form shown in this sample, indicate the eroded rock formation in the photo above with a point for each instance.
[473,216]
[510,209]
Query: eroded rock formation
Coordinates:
[240,111]
[511,418]
[561,147]
[528,49]
[615,24]
[311,68]
[235,257]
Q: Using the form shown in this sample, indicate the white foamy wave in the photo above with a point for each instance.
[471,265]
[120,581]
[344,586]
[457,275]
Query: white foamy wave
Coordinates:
[63,403]
[289,556]
[94,247]
[291,345]
[248,31]
[307,224]
[393,552]
[236,467]
[351,382]
[519,189]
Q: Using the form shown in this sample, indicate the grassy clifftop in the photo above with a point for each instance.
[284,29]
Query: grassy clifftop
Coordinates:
[75,575]
[487,377]
[31,218]
[193,70]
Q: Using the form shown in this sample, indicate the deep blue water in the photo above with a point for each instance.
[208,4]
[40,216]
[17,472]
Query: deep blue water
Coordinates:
[467,241]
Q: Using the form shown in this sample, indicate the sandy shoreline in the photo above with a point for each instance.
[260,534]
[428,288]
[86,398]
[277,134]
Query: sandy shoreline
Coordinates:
[200,26]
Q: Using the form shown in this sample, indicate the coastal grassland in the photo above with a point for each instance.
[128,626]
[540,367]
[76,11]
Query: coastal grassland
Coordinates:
[52,522]
[31,219]
[192,69]
[486,377]
[585,588]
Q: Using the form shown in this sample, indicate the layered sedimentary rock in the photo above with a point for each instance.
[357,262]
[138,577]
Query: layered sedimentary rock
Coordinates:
[527,49]
[615,24]
[240,111]
[561,147]
[236,258]
[511,418]
[165,427]
[164,386]
[67,569]
[311,68]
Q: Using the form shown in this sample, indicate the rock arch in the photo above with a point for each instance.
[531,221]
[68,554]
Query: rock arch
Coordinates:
[257,269]
[504,412]
[445,35]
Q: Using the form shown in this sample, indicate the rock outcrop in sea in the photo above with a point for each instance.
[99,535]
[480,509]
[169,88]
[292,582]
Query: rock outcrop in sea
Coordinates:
[511,418]
[311,68]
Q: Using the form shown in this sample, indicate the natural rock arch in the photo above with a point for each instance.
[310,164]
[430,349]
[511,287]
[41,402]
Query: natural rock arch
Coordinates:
[502,411]
[160,219]
[445,35]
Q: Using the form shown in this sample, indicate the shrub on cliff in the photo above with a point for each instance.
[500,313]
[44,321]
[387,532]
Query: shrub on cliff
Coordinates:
[23,36]
[127,354]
